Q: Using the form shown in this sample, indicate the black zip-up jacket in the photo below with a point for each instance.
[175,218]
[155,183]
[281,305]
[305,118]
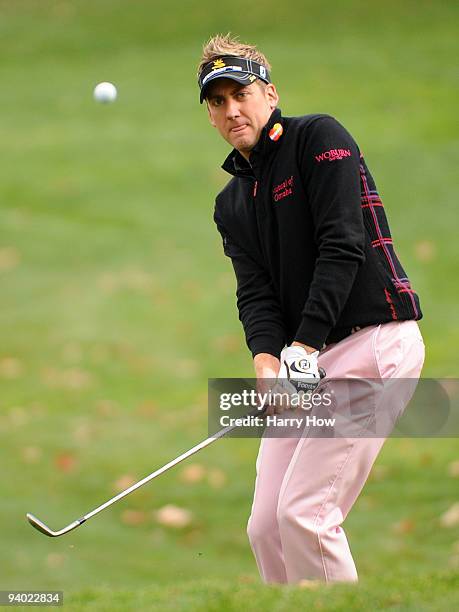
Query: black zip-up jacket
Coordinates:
[308,238]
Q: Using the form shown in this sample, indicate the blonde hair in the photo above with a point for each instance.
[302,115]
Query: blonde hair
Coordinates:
[226,44]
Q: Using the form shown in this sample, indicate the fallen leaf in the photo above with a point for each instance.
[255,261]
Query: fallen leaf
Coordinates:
[106,407]
[247,578]
[228,343]
[453,469]
[192,538]
[192,473]
[36,409]
[426,459]
[50,376]
[31,454]
[451,517]
[404,526]
[367,502]
[186,368]
[55,560]
[82,432]
[158,536]
[161,297]
[65,462]
[18,416]
[147,408]
[216,478]
[133,517]
[108,282]
[450,385]
[137,279]
[72,352]
[10,367]
[173,516]
[192,290]
[76,378]
[309,584]
[226,282]
[73,378]
[134,279]
[9,258]
[100,353]
[425,250]
[63,11]
[124,482]
[378,473]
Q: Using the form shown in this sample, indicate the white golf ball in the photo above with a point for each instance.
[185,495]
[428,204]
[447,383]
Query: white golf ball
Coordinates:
[105,92]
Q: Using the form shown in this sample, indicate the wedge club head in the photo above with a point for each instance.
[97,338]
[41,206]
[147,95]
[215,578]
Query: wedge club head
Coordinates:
[40,526]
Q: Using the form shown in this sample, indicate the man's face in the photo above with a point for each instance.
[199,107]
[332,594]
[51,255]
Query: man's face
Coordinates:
[240,112]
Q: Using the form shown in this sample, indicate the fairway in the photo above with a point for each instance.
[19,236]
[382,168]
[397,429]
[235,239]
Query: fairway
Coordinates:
[118,304]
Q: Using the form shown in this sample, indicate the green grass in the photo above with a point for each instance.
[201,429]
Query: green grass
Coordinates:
[430,592]
[117,303]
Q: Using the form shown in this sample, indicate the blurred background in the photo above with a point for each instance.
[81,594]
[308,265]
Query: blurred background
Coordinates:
[117,303]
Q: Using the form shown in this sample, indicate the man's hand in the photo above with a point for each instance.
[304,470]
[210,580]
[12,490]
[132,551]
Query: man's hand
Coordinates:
[299,372]
[266,371]
[266,366]
[296,373]
[299,369]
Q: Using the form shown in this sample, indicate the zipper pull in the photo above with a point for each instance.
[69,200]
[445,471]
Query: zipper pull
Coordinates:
[255,189]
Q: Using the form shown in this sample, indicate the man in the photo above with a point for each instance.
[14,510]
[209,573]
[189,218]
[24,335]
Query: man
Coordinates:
[318,283]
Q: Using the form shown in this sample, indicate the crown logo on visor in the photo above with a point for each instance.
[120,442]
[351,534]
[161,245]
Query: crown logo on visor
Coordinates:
[218,64]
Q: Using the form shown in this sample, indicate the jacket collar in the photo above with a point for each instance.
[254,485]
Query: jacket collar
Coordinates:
[237,165]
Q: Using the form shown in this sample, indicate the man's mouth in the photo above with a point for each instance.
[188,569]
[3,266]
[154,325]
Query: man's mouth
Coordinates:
[238,128]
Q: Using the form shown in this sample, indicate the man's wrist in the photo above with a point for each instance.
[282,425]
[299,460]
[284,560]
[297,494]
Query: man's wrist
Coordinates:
[307,348]
[266,365]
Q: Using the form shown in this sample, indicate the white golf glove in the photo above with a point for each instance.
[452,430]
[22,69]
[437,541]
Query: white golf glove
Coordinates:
[299,371]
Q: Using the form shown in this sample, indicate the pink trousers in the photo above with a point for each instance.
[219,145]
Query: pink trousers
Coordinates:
[305,487]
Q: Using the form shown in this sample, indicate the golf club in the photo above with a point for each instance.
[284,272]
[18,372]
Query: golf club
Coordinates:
[43,528]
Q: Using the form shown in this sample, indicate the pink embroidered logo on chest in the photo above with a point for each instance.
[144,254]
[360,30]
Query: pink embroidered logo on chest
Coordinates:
[283,190]
[333,154]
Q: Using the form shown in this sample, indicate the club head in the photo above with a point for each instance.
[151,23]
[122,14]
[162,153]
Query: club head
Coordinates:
[35,522]
[40,526]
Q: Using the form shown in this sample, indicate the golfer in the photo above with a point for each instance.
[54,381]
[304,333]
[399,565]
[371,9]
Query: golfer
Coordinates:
[318,284]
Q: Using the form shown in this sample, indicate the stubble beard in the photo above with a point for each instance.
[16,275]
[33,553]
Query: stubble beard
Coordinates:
[243,145]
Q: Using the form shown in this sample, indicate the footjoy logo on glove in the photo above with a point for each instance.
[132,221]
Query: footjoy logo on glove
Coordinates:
[301,366]
[333,154]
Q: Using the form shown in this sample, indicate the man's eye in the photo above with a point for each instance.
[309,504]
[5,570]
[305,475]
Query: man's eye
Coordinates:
[242,94]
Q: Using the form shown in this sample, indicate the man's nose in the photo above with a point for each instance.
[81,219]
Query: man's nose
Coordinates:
[232,109]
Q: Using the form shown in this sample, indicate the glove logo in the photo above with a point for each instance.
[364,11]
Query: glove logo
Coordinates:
[301,366]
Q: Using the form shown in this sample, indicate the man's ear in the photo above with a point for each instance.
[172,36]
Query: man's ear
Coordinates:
[271,95]
[212,122]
